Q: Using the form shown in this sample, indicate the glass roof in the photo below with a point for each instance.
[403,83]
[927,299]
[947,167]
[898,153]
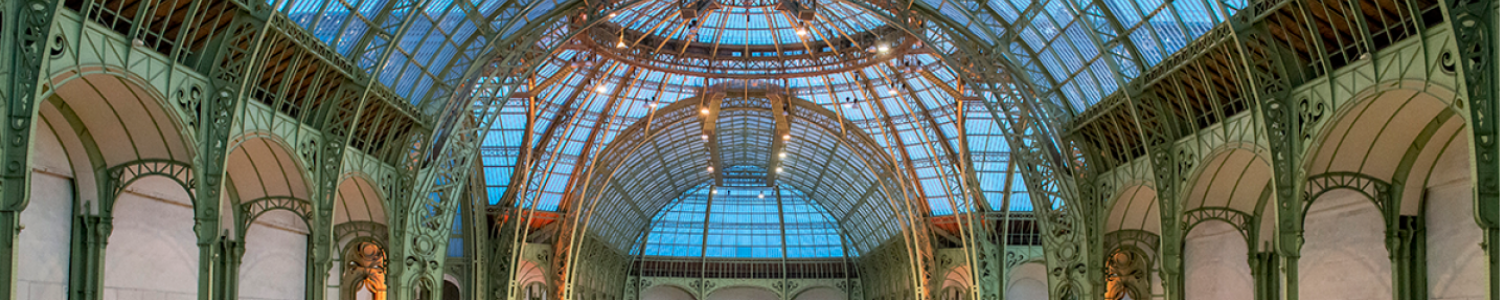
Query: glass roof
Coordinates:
[1061,41]
[863,84]
[744,222]
[745,22]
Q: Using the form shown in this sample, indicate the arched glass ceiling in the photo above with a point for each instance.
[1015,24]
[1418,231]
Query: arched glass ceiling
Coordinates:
[746,22]
[744,222]
[589,89]
[1062,42]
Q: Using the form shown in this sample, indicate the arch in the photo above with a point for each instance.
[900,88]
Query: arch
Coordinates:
[351,232]
[451,290]
[102,100]
[1237,170]
[253,209]
[152,229]
[1242,222]
[358,199]
[262,166]
[1127,273]
[742,292]
[119,177]
[1134,209]
[1028,281]
[1216,260]
[1346,143]
[1344,249]
[1373,189]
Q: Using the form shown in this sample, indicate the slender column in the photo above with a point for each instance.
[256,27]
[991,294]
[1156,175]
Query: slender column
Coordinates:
[1263,266]
[24,28]
[86,271]
[1408,254]
[1474,25]
[231,60]
[1270,72]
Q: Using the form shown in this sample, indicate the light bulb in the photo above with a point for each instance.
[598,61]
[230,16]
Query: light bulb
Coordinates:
[892,91]
[762,195]
[703,110]
[710,169]
[705,137]
[620,45]
[778,169]
[883,48]
[849,105]
[782,155]
[786,137]
[802,32]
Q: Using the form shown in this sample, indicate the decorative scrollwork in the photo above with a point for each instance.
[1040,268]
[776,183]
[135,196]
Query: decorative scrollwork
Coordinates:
[122,175]
[784,286]
[1118,238]
[1448,61]
[1311,114]
[250,210]
[1241,221]
[59,46]
[360,228]
[1374,189]
[189,99]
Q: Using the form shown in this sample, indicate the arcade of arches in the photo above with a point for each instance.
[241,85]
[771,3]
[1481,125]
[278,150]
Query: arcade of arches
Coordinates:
[750,149]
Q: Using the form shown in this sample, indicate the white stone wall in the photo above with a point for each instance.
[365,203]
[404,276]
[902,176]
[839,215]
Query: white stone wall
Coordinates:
[273,267]
[44,245]
[1344,256]
[1455,263]
[1215,265]
[152,253]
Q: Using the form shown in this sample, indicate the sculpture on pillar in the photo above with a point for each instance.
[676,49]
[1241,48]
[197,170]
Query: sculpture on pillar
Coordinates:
[364,268]
[1125,275]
